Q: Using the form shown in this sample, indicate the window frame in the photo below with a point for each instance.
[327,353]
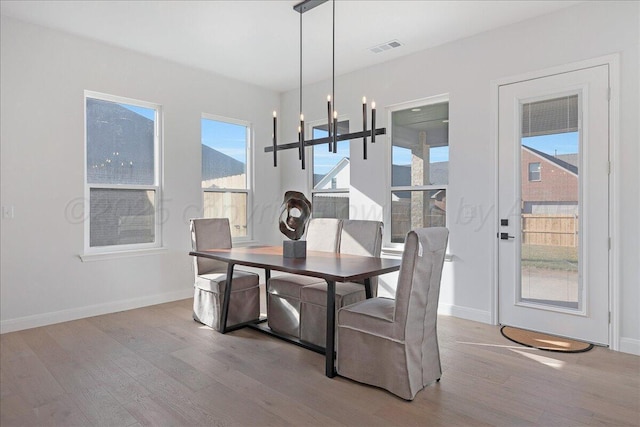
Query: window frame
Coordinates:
[249,134]
[156,187]
[312,190]
[530,172]
[437,99]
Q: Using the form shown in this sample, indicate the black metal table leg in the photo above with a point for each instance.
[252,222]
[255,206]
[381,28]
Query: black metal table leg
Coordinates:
[331,329]
[227,298]
[267,276]
[367,288]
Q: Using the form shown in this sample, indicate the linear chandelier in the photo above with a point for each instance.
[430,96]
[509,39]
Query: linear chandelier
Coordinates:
[332,115]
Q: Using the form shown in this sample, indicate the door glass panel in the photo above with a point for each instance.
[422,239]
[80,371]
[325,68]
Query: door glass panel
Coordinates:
[550,210]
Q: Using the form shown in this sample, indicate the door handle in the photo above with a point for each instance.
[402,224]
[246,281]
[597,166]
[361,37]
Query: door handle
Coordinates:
[505,236]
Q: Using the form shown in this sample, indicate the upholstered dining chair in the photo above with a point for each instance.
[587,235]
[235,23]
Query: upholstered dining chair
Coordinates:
[393,343]
[211,278]
[283,291]
[357,237]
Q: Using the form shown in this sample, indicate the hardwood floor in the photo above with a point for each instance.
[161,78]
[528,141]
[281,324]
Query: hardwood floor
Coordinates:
[156,366]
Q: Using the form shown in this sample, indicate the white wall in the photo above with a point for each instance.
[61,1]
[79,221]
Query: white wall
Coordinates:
[44,73]
[465,70]
[43,77]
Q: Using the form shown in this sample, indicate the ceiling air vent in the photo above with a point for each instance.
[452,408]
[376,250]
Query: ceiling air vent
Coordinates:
[385,46]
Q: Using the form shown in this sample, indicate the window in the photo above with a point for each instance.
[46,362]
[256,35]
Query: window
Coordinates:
[225,179]
[122,173]
[331,176]
[419,167]
[534,171]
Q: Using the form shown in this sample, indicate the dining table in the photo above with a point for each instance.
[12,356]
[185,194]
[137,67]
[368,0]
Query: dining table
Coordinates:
[331,266]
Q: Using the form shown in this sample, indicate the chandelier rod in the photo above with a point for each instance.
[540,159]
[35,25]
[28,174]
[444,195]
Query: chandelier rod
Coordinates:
[327,139]
[307,5]
[301,153]
[334,143]
[332,125]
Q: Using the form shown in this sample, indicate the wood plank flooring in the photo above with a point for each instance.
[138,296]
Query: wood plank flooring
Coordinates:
[156,366]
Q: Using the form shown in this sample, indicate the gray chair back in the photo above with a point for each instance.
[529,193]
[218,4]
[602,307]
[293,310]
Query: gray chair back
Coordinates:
[418,289]
[210,233]
[360,237]
[323,234]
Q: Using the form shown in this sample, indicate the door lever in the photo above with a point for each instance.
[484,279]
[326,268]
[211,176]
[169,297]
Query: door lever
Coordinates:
[505,236]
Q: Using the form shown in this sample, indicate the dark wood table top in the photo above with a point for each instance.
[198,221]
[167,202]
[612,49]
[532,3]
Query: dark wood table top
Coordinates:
[326,265]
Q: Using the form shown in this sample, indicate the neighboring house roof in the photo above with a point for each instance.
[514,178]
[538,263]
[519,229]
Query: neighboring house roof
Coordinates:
[218,165]
[572,159]
[561,163]
[121,144]
[343,163]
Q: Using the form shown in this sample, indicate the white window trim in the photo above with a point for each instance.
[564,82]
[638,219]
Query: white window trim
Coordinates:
[129,249]
[250,175]
[388,246]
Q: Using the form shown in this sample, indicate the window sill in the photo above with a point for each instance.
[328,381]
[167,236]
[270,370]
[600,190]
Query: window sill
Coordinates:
[120,254]
[394,252]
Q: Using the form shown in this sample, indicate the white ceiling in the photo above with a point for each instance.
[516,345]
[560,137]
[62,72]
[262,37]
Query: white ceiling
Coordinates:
[259,41]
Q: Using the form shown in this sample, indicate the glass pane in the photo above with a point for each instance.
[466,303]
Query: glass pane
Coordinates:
[534,171]
[120,143]
[420,146]
[121,217]
[330,205]
[416,209]
[228,205]
[550,217]
[224,155]
[331,170]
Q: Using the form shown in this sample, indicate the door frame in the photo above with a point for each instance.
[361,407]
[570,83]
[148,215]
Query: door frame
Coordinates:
[613,61]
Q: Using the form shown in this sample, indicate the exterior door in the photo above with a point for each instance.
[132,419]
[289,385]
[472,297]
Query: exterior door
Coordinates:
[553,251]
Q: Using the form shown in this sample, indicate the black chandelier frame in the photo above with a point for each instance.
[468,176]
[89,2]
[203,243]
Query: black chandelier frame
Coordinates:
[332,124]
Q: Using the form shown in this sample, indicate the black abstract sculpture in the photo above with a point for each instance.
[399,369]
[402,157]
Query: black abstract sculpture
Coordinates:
[294,216]
[295,213]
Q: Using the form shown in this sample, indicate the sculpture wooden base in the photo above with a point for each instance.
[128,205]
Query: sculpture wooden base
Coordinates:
[294,248]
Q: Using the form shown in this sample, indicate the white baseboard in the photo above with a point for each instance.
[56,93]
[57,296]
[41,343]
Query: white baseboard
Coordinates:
[630,345]
[27,322]
[465,313]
